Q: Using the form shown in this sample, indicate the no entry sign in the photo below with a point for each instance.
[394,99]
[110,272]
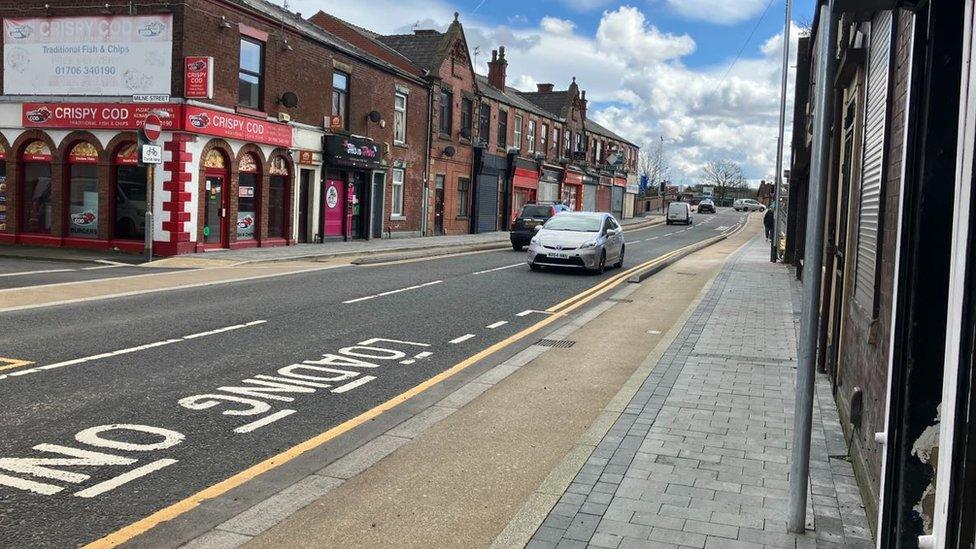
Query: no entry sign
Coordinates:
[153,127]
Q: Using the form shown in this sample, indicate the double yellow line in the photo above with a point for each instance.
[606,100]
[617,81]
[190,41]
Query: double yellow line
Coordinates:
[179,508]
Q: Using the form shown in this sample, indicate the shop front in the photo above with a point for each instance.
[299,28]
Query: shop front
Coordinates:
[590,186]
[604,194]
[617,197]
[549,185]
[572,192]
[525,185]
[353,185]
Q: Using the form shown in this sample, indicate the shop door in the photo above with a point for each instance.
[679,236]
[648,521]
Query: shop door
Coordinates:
[589,198]
[304,187]
[357,221]
[215,212]
[333,207]
[618,202]
[487,202]
[376,205]
[439,205]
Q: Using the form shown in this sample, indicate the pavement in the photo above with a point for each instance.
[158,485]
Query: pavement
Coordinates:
[182,404]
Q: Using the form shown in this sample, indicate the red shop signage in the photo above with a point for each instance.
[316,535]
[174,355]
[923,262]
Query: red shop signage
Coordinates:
[221,124]
[198,77]
[96,116]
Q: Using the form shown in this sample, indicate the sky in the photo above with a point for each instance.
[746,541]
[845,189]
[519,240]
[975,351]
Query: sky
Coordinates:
[702,74]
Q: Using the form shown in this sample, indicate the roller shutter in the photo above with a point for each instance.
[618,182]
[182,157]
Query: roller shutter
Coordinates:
[487,201]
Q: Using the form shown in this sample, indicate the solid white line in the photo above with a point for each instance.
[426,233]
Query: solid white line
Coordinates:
[652,238]
[46,271]
[255,425]
[461,339]
[353,384]
[117,263]
[225,329]
[497,269]
[100,267]
[391,292]
[496,324]
[114,483]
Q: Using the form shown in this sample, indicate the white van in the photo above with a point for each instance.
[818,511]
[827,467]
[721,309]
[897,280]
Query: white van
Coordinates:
[679,212]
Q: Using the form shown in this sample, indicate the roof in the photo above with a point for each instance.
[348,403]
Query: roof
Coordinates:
[365,39]
[296,23]
[554,101]
[422,47]
[592,126]
[510,96]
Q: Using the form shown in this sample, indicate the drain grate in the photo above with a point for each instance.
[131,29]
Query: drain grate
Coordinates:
[620,300]
[555,343]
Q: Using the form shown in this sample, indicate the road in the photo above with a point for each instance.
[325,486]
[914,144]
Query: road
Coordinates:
[147,399]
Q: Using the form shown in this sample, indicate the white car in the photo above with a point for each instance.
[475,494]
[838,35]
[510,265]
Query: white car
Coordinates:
[748,205]
[679,212]
[591,241]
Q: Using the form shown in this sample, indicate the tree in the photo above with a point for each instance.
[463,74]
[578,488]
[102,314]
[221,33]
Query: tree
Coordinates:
[726,176]
[654,165]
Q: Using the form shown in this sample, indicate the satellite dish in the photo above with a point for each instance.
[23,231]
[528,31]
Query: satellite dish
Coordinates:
[449,151]
[289,99]
[375,117]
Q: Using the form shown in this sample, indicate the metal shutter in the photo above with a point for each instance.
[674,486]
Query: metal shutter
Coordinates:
[618,202]
[487,201]
[589,198]
[548,192]
[873,159]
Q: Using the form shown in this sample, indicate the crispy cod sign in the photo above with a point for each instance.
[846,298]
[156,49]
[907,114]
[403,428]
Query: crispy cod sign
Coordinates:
[116,55]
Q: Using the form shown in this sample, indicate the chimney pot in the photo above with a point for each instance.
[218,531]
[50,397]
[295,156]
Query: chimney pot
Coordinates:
[494,55]
[501,51]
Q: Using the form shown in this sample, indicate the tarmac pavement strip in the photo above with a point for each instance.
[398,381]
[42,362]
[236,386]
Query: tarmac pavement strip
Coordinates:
[478,460]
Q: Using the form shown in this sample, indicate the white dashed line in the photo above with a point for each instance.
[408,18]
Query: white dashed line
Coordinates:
[461,339]
[391,292]
[530,311]
[46,271]
[424,354]
[496,324]
[255,425]
[498,269]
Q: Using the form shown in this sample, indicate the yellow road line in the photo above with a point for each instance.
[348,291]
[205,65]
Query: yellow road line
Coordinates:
[141,526]
[11,363]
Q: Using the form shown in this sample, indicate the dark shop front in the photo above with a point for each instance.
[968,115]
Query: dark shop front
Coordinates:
[353,187]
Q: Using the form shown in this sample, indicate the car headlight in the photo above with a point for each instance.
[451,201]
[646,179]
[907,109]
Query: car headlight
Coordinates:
[588,244]
[535,240]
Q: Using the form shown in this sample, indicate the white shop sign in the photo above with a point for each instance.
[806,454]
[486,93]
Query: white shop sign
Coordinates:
[115,55]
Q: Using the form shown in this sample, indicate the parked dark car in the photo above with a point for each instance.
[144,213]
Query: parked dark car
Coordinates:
[706,206]
[524,226]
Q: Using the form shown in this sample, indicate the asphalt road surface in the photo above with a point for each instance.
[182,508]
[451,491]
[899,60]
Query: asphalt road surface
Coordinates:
[21,272]
[145,400]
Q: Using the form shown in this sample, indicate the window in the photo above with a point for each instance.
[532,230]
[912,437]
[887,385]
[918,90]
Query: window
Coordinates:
[248,180]
[568,146]
[250,73]
[555,140]
[484,123]
[502,129]
[400,118]
[463,185]
[518,132]
[340,97]
[130,195]
[37,211]
[543,135]
[447,112]
[83,211]
[396,208]
[579,142]
[278,198]
[598,150]
[531,136]
[467,109]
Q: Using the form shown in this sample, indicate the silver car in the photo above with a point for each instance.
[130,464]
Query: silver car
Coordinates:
[584,240]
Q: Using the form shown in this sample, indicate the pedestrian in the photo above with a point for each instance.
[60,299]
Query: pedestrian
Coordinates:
[768,222]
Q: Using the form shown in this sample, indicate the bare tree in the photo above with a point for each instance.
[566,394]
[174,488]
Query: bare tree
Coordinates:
[654,165]
[726,176]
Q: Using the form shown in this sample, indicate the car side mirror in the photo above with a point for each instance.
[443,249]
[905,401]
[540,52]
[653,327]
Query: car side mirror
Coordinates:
[538,228]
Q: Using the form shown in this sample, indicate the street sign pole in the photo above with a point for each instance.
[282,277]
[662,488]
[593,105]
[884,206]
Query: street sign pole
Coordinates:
[150,176]
[777,180]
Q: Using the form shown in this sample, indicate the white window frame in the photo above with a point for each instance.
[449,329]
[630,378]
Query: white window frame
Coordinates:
[400,114]
[518,132]
[530,138]
[396,206]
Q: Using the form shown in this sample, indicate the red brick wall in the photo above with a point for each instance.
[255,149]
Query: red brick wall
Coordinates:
[865,358]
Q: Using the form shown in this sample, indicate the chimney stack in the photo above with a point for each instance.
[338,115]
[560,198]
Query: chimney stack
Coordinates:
[583,104]
[496,68]
[544,88]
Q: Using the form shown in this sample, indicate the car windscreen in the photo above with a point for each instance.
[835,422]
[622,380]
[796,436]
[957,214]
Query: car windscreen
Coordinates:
[536,211]
[581,223]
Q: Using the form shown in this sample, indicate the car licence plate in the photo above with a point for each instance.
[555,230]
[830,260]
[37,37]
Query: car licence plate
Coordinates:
[559,256]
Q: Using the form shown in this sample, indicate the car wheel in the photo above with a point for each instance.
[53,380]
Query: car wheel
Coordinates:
[535,267]
[516,246]
[602,265]
[620,260]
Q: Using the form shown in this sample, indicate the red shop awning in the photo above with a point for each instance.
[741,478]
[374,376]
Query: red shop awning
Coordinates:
[526,178]
[572,178]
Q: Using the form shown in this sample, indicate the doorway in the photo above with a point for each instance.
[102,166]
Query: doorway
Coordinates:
[215,211]
[358,221]
[376,205]
[304,189]
[439,205]
[333,208]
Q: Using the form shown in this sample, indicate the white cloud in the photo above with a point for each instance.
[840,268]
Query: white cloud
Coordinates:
[634,76]
[722,12]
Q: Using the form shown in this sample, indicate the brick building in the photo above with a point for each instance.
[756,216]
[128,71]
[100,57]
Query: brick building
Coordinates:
[242,143]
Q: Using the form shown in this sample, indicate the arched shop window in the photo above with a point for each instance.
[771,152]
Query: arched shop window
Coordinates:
[277,197]
[36,188]
[130,206]
[82,191]
[248,181]
[3,188]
